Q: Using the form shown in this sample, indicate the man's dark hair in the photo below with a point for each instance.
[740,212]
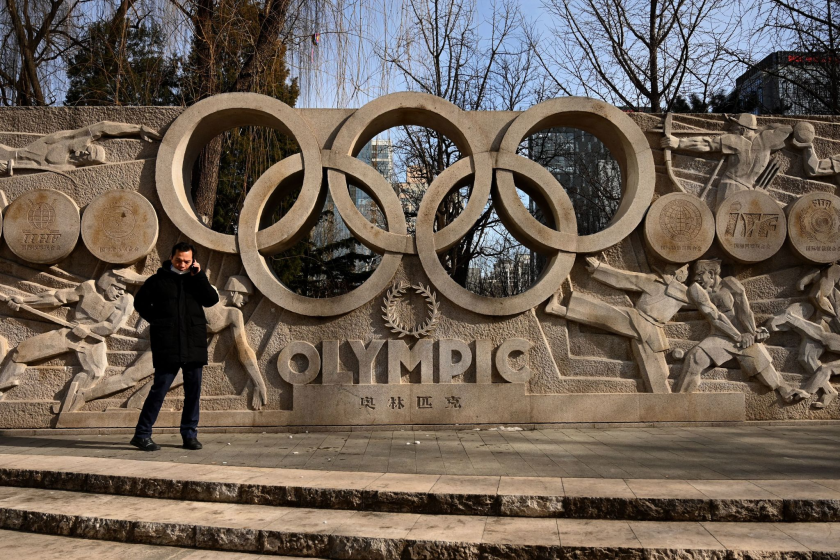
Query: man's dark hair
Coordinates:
[182,247]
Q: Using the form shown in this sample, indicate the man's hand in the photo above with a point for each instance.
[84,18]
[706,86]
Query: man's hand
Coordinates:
[81,331]
[148,134]
[195,268]
[761,334]
[592,264]
[747,340]
[669,142]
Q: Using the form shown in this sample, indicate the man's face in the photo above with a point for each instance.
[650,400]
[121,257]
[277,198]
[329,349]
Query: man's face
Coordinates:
[114,292]
[706,278]
[182,260]
[239,299]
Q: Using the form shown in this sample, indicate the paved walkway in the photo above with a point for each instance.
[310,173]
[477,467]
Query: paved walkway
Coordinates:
[691,453]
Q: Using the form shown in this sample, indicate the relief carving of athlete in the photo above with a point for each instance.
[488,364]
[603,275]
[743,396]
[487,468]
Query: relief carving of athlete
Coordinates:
[101,309]
[723,302]
[747,149]
[225,314]
[68,149]
[662,295]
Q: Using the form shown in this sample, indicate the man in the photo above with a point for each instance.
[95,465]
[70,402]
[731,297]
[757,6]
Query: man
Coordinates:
[662,296]
[172,302]
[102,308]
[225,314]
[723,302]
[747,149]
[68,149]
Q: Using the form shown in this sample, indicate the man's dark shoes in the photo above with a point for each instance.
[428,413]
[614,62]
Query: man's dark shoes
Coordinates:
[192,443]
[146,444]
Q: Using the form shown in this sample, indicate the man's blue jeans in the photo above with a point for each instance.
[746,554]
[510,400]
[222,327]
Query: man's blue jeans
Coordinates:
[192,396]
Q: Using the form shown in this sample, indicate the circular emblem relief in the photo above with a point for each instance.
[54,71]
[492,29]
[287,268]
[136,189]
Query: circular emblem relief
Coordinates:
[814,227]
[42,226]
[120,227]
[679,228]
[751,226]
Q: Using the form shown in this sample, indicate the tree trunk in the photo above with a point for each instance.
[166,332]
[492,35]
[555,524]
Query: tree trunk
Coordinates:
[207,183]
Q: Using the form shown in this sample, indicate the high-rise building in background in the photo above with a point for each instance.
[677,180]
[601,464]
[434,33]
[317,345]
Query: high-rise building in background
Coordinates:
[585,169]
[784,82]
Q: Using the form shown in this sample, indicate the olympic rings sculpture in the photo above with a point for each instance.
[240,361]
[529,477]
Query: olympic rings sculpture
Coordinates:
[483,160]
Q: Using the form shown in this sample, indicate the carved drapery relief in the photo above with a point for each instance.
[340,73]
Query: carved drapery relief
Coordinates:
[629,319]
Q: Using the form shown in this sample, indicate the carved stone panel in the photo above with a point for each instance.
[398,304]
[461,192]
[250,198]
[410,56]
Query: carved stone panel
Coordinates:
[120,227]
[814,222]
[679,228]
[42,226]
[751,226]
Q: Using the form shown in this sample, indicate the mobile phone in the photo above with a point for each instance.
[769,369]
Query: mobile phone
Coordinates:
[193,268]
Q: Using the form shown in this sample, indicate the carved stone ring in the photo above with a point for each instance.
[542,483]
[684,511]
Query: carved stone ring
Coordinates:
[256,239]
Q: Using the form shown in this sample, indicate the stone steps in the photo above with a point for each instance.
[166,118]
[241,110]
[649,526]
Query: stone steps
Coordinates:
[17,544]
[361,535]
[581,498]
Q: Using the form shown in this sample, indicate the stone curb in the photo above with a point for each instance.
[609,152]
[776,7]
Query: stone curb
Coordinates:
[342,547]
[639,509]
[39,432]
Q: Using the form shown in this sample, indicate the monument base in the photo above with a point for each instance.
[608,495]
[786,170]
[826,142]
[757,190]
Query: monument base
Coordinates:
[464,404]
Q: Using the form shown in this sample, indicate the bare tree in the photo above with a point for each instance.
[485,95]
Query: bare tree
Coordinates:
[35,36]
[808,34]
[636,53]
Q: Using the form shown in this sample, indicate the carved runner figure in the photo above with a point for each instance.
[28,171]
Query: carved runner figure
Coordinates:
[69,149]
[747,150]
[662,296]
[225,314]
[816,333]
[102,308]
[723,302]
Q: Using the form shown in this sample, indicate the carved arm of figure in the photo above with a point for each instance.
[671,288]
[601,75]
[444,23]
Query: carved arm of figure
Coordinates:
[709,310]
[744,313]
[803,138]
[694,144]
[52,298]
[115,129]
[617,278]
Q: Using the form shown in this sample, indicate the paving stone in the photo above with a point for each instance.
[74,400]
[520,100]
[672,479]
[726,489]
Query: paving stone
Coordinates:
[654,534]
[539,532]
[753,536]
[596,533]
[816,536]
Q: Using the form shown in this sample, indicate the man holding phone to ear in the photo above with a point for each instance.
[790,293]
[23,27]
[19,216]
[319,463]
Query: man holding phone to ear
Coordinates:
[173,302]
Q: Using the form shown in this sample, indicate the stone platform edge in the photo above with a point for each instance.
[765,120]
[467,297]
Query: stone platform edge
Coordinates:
[528,409]
[642,500]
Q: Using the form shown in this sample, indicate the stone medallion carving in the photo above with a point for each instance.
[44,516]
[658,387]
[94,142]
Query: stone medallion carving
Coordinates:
[814,222]
[751,226]
[391,314]
[679,228]
[120,227]
[42,226]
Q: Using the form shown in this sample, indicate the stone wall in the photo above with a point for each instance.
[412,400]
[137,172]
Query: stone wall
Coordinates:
[631,335]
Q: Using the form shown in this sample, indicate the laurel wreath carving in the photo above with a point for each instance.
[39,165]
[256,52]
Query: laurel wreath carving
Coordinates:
[392,298]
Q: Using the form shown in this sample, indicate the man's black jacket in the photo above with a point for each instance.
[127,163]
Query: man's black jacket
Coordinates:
[173,304]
